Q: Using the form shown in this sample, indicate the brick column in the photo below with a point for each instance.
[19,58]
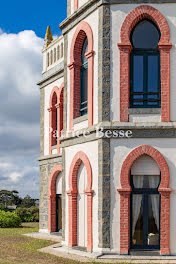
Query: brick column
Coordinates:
[89,220]
[124,220]
[74,91]
[165,81]
[165,221]
[72,204]
[125,50]
[90,57]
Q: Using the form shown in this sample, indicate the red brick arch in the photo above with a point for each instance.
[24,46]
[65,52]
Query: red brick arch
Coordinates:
[58,104]
[79,158]
[137,14]
[125,191]
[52,198]
[83,30]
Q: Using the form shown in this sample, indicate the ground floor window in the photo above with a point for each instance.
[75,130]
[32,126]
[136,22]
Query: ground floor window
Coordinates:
[145,212]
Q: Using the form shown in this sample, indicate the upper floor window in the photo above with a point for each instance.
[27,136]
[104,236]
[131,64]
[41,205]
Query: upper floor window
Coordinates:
[54,120]
[145,81]
[84,78]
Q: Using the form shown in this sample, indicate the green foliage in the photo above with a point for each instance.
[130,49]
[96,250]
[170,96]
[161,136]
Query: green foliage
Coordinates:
[27,202]
[28,214]
[8,219]
[9,198]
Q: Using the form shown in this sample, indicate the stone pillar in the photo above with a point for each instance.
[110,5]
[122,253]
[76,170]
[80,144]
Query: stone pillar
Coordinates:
[104,64]
[104,196]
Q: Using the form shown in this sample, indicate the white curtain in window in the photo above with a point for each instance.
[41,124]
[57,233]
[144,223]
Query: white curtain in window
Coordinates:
[137,199]
[153,181]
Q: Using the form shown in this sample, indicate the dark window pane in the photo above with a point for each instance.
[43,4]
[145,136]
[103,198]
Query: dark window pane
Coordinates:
[145,35]
[146,181]
[153,219]
[153,73]
[84,51]
[137,220]
[138,74]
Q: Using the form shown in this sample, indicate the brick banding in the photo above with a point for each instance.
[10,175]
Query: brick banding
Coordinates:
[125,191]
[79,158]
[125,47]
[83,30]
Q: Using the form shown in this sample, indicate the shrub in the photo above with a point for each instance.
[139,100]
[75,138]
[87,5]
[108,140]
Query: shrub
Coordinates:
[28,214]
[8,219]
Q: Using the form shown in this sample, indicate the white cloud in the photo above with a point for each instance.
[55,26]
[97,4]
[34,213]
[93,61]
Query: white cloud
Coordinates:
[21,66]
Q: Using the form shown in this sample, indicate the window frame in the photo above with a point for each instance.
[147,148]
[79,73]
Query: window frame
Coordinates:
[145,54]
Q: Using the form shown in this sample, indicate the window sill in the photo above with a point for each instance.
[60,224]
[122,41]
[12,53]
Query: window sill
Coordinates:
[54,147]
[136,111]
[80,119]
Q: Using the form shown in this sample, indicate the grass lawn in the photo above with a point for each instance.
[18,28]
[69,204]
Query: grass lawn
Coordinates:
[18,249]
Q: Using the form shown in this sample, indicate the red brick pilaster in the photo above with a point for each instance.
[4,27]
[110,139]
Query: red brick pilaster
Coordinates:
[125,50]
[137,14]
[72,194]
[125,190]
[72,204]
[165,81]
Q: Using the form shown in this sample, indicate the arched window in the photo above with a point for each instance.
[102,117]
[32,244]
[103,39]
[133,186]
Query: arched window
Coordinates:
[145,81]
[84,79]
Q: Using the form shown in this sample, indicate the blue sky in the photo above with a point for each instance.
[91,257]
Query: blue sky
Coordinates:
[22,29]
[19,15]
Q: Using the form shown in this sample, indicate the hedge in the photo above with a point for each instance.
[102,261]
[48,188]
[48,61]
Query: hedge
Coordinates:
[9,220]
[28,214]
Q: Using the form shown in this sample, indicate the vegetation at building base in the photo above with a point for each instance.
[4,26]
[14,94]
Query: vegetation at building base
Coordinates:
[14,210]
[9,219]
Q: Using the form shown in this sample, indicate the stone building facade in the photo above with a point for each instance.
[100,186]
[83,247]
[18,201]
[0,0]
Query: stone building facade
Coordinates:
[108,127]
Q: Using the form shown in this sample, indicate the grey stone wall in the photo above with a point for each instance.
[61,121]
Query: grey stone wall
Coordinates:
[42,96]
[104,199]
[104,64]
[45,169]
[104,115]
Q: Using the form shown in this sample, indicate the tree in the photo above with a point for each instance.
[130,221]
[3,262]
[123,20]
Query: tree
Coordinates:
[9,198]
[27,202]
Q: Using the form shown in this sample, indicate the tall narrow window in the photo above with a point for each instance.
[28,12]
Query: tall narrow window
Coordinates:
[84,79]
[54,120]
[145,83]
